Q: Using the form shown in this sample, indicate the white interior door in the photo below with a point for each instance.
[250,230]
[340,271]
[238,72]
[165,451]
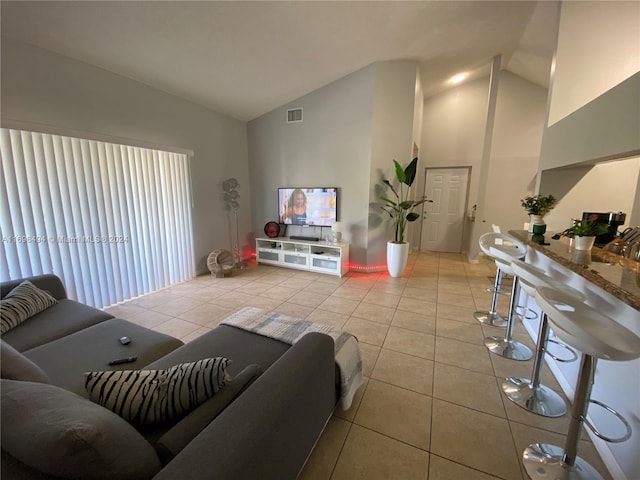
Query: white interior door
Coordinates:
[443,220]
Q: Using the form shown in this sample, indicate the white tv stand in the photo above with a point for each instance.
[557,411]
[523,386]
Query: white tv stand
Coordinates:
[321,257]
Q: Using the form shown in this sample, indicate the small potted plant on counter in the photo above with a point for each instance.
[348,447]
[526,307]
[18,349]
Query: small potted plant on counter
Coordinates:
[584,233]
[537,206]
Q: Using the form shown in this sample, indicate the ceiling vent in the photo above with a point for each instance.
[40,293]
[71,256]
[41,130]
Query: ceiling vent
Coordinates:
[294,115]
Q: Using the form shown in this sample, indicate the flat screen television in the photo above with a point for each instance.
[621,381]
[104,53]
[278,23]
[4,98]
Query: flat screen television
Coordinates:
[308,206]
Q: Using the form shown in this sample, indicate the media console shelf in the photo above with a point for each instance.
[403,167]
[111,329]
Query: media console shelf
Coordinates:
[321,257]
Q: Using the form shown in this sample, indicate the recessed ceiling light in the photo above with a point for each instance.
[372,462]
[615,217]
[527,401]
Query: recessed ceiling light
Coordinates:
[458,78]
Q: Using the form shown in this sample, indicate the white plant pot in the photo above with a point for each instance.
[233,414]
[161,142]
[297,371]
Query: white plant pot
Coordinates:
[583,243]
[535,220]
[397,254]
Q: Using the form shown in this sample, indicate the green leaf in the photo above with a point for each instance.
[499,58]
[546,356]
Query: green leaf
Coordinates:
[399,172]
[388,183]
[410,172]
[412,217]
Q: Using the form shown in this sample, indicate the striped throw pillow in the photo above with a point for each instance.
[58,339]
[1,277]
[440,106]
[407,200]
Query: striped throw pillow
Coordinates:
[21,303]
[147,397]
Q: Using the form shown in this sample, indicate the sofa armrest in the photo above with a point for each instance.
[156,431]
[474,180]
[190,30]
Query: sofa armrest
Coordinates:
[269,430]
[48,282]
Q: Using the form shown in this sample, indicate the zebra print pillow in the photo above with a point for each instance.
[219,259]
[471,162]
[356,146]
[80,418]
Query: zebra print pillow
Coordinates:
[147,397]
[23,302]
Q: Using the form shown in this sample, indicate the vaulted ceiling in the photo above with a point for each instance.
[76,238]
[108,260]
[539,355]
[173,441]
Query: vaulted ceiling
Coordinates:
[244,59]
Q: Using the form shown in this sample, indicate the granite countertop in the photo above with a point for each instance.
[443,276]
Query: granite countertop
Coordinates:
[615,274]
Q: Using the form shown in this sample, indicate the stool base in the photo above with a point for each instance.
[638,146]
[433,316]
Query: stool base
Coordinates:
[508,348]
[543,461]
[487,318]
[540,400]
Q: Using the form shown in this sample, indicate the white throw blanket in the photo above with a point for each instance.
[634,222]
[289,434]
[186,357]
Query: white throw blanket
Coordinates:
[289,330]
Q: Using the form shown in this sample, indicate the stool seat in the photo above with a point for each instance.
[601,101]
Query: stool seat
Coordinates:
[513,246]
[533,277]
[586,329]
[506,346]
[510,245]
[597,336]
[506,252]
[529,393]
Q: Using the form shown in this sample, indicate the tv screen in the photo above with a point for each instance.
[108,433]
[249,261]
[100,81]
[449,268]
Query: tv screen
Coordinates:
[308,206]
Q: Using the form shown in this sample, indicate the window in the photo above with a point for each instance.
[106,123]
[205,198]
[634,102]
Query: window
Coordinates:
[113,221]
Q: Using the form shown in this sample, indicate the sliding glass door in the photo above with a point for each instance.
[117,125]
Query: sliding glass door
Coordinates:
[113,221]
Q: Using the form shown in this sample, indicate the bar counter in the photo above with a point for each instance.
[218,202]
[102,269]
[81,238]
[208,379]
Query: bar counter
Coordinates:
[610,284]
[613,273]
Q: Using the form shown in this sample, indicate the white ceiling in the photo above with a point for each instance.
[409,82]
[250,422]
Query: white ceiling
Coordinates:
[246,58]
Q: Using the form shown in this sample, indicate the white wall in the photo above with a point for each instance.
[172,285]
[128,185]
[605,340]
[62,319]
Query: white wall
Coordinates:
[330,148]
[603,188]
[453,136]
[392,139]
[593,111]
[599,44]
[40,87]
[352,130]
[517,137]
[453,130]
[413,231]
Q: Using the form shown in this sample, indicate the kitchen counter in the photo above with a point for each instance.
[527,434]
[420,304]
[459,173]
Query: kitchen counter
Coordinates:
[613,273]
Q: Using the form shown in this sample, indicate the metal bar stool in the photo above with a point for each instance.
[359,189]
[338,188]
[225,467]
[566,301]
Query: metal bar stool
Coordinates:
[492,317]
[529,393]
[596,336]
[505,346]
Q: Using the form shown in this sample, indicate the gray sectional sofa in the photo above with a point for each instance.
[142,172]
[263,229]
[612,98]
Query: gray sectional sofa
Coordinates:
[262,425]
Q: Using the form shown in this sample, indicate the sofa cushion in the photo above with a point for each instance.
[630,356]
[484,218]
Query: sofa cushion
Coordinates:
[65,360]
[21,303]
[15,366]
[146,397]
[179,436]
[62,434]
[245,348]
[48,282]
[63,318]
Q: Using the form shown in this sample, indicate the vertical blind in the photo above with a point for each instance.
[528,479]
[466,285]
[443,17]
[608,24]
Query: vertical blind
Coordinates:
[113,221]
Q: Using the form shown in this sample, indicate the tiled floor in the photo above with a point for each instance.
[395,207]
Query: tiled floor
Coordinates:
[431,407]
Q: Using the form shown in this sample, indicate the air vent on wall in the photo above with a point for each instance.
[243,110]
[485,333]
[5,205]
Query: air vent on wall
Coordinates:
[294,115]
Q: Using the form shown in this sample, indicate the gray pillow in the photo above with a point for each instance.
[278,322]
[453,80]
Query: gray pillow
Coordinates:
[147,397]
[175,439]
[23,302]
[62,434]
[16,366]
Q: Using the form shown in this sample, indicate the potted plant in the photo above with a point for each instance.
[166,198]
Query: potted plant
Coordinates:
[584,233]
[401,212]
[537,206]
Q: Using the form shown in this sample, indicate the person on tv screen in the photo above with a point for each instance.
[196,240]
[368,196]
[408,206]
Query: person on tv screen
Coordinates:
[296,212]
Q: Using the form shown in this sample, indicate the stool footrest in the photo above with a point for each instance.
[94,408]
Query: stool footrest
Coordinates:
[567,347]
[498,291]
[526,313]
[595,431]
